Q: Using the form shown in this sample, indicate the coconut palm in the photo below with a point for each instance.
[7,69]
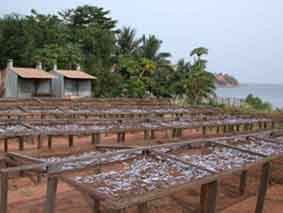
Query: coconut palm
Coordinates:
[150,49]
[127,43]
[200,51]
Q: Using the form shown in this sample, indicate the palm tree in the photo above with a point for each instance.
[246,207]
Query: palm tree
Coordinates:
[200,51]
[150,49]
[127,43]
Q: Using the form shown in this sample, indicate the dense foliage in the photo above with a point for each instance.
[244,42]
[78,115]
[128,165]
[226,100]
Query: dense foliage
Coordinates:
[124,64]
[258,104]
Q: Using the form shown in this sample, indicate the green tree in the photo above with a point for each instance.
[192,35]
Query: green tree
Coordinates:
[199,84]
[86,16]
[67,56]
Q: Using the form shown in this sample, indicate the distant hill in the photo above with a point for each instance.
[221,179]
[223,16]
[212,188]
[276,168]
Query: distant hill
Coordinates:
[225,80]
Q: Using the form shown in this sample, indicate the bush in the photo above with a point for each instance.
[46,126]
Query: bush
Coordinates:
[257,104]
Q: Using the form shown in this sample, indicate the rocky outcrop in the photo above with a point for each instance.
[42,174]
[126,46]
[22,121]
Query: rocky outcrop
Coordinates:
[225,80]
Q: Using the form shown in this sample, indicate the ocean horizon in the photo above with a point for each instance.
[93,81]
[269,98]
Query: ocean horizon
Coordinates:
[268,92]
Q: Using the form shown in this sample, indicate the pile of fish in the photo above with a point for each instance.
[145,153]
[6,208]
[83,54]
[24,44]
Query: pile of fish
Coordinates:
[219,159]
[262,147]
[10,110]
[140,176]
[12,129]
[69,128]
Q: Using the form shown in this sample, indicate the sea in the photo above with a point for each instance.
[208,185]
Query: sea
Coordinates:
[272,93]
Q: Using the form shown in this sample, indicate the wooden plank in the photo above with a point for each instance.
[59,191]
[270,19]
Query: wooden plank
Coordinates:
[20,156]
[208,197]
[264,181]
[243,182]
[3,193]
[50,202]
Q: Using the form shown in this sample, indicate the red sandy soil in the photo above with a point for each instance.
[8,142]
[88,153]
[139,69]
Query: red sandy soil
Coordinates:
[26,197]
[273,203]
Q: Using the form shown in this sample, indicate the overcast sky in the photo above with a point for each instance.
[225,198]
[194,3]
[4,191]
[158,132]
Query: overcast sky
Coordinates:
[244,37]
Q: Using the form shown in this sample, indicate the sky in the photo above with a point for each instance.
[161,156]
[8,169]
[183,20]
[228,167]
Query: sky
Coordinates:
[244,37]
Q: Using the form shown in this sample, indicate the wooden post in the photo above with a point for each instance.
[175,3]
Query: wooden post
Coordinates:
[96,206]
[152,134]
[146,134]
[52,184]
[179,132]
[123,137]
[6,145]
[3,192]
[21,143]
[231,128]
[224,129]
[174,133]
[118,137]
[208,197]
[238,127]
[264,125]
[143,208]
[39,142]
[260,125]
[272,124]
[251,127]
[97,138]
[243,182]
[49,142]
[71,140]
[93,141]
[217,130]
[264,180]
[116,211]
[204,130]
